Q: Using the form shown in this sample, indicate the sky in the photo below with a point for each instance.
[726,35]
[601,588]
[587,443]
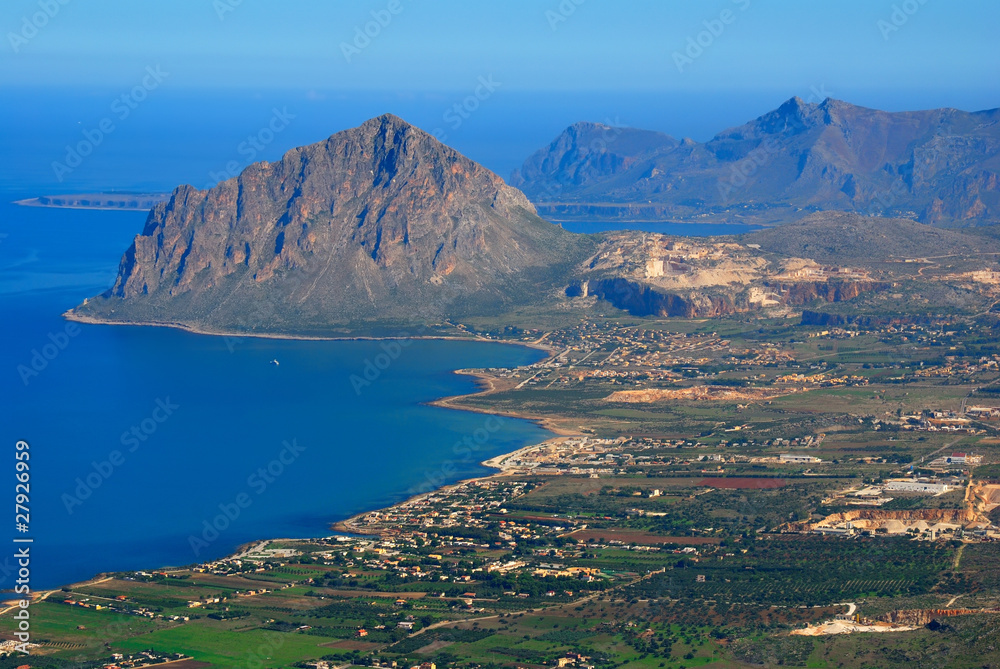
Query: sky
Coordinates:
[929,46]
[218,69]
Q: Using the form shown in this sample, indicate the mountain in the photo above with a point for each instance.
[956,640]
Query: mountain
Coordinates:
[826,262]
[381,229]
[939,166]
[380,222]
[588,153]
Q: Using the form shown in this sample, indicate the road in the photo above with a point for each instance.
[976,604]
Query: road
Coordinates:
[45,594]
[528,379]
[576,602]
[930,456]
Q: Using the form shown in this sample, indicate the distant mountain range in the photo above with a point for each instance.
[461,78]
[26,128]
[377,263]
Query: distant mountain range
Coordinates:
[381,228]
[939,166]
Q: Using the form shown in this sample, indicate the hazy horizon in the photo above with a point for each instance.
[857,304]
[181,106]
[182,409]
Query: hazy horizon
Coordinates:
[522,71]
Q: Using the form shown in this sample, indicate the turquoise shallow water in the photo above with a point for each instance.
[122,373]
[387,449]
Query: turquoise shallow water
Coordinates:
[142,438]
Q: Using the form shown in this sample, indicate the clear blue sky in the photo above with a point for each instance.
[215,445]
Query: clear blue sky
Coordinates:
[944,51]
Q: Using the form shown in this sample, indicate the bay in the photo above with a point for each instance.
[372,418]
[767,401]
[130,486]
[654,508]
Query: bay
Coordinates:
[154,447]
[105,497]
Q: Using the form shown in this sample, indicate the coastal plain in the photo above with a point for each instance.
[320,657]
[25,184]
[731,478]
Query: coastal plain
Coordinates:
[774,448]
[690,511]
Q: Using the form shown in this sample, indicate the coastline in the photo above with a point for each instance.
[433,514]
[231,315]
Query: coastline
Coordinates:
[125,199]
[454,403]
[71,315]
[28,203]
[347,525]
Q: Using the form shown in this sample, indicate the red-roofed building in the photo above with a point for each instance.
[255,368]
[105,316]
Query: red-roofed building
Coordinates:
[964,459]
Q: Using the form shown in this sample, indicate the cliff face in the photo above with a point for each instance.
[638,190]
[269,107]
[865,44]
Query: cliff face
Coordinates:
[380,221]
[939,166]
[648,274]
[640,299]
[927,616]
[806,292]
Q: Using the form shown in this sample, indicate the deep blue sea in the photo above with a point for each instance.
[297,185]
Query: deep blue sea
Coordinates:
[139,436]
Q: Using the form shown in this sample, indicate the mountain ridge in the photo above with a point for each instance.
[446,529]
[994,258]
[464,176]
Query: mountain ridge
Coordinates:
[939,166]
[381,228]
[366,224]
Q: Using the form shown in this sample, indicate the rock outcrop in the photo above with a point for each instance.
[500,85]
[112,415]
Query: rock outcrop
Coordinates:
[380,222]
[383,229]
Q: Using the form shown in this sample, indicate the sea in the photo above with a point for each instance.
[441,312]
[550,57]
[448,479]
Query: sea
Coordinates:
[151,447]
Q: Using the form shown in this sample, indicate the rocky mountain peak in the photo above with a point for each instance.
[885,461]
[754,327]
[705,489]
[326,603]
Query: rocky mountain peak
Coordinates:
[365,224]
[937,166]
